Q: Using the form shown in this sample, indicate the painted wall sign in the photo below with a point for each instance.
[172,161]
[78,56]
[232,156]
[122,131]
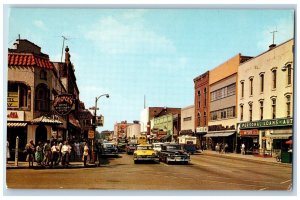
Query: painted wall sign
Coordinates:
[249,132]
[63,103]
[12,100]
[13,115]
[267,123]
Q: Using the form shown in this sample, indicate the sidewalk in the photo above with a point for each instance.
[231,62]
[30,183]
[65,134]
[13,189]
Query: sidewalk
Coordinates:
[24,165]
[252,158]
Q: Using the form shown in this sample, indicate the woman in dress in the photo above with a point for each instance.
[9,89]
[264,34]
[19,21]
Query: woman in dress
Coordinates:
[39,153]
[7,151]
[85,153]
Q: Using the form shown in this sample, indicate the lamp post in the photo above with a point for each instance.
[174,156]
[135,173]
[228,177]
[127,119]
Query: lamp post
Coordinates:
[95,126]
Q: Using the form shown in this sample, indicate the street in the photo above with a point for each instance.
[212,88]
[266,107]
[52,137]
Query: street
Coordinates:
[205,172]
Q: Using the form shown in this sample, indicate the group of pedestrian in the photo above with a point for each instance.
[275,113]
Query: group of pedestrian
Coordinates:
[56,152]
[222,148]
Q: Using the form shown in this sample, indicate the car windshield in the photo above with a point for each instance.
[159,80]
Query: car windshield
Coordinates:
[108,145]
[144,148]
[173,147]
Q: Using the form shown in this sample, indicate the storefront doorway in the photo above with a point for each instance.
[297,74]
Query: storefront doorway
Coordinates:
[40,134]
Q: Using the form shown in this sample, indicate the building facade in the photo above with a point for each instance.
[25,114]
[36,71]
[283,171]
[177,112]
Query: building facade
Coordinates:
[187,121]
[265,100]
[222,103]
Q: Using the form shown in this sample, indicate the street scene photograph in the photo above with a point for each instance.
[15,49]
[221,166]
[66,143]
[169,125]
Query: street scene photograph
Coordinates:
[149,99]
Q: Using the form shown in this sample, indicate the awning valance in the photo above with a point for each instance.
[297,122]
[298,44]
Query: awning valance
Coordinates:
[219,134]
[280,136]
[16,124]
[45,120]
[186,132]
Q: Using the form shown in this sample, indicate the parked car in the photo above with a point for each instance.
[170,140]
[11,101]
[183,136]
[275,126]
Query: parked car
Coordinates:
[109,149]
[144,152]
[173,153]
[130,148]
[122,143]
[157,146]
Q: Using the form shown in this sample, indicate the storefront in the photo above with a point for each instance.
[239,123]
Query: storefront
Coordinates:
[215,138]
[272,134]
[250,139]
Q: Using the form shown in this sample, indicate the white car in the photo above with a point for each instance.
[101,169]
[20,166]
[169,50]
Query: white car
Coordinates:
[157,146]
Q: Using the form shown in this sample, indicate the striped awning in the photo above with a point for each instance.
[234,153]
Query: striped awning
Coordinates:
[46,120]
[16,124]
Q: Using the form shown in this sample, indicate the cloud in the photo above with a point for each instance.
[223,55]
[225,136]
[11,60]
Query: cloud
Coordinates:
[40,24]
[113,35]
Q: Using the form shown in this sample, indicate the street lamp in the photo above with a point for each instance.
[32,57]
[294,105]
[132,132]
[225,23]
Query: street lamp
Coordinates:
[95,126]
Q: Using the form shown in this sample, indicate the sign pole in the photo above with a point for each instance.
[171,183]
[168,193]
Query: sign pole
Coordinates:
[17,151]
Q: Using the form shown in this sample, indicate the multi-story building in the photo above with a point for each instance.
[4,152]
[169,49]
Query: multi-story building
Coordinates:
[201,108]
[222,103]
[133,130]
[265,100]
[30,91]
[187,121]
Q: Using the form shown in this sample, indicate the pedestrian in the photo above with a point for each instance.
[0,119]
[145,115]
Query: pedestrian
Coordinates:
[77,150]
[85,153]
[221,148]
[217,147]
[7,151]
[69,153]
[64,153]
[39,153]
[54,154]
[99,152]
[225,147]
[243,149]
[47,153]
[30,149]
[60,144]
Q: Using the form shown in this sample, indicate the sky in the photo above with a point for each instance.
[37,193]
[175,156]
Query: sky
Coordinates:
[156,53]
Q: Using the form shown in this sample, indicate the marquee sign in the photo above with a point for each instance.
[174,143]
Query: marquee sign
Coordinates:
[267,123]
[63,103]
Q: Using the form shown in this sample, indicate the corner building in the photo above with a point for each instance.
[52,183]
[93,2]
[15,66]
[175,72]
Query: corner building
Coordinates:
[265,100]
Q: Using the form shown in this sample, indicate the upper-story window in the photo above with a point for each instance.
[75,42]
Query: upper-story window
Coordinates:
[251,85]
[205,97]
[273,99]
[42,98]
[198,119]
[250,111]
[223,92]
[274,78]
[43,75]
[199,99]
[205,118]
[288,105]
[17,96]
[262,82]
[242,88]
[242,111]
[289,74]
[261,102]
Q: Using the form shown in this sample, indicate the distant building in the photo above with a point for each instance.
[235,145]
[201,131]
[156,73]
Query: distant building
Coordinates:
[187,121]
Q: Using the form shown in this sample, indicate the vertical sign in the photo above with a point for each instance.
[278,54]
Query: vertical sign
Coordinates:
[12,100]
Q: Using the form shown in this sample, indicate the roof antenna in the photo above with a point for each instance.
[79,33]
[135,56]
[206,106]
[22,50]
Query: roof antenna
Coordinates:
[19,36]
[273,32]
[62,50]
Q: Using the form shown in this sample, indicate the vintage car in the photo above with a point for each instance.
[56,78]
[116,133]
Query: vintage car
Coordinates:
[122,143]
[173,153]
[144,152]
[109,149]
[130,148]
[157,146]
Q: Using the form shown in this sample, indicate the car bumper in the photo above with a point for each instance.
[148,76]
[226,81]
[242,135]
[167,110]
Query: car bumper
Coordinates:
[146,158]
[178,159]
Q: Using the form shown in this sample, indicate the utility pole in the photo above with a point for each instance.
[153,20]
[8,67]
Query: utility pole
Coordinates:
[62,50]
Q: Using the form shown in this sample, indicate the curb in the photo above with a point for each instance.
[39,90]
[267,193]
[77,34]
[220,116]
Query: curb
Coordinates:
[249,159]
[55,167]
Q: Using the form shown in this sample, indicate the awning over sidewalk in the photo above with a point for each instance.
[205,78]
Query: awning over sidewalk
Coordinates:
[219,134]
[280,136]
[16,124]
[45,120]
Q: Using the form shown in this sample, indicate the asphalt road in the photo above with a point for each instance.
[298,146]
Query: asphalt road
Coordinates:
[204,173]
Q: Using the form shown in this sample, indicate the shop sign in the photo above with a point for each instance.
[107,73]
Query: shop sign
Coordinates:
[13,115]
[63,103]
[267,123]
[91,134]
[201,129]
[249,132]
[12,100]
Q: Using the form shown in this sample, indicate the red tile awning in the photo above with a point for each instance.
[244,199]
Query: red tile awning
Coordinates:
[74,121]
[28,59]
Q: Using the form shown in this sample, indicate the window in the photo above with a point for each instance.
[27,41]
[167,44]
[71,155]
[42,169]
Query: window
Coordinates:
[251,86]
[273,108]
[274,79]
[187,119]
[288,106]
[42,98]
[262,77]
[205,119]
[223,92]
[17,96]
[250,111]
[242,112]
[205,97]
[199,96]
[261,110]
[43,75]
[223,113]
[242,89]
[198,119]
[289,71]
